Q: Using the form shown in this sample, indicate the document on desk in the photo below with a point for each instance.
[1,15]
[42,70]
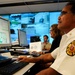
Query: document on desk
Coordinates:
[7,54]
[35,46]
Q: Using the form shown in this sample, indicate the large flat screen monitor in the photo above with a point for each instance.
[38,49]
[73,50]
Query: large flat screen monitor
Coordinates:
[22,38]
[34,23]
[4,33]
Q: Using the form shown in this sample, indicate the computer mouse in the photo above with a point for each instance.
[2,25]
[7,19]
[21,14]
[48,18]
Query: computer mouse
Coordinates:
[14,59]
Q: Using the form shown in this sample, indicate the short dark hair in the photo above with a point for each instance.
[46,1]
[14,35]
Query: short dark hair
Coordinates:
[72,3]
[45,36]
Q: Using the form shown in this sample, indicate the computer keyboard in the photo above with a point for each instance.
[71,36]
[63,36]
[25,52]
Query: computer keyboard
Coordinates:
[12,68]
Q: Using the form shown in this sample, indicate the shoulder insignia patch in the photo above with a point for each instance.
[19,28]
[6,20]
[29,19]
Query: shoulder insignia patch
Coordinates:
[71,49]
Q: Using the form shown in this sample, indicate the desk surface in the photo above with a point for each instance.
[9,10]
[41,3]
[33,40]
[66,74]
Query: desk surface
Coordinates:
[24,69]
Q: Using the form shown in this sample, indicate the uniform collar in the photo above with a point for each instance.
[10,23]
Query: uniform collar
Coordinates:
[70,33]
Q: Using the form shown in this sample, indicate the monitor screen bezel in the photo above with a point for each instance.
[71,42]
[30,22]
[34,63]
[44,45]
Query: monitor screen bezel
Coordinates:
[19,38]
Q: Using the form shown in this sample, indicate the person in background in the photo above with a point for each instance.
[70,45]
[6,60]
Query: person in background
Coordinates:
[56,34]
[64,55]
[46,45]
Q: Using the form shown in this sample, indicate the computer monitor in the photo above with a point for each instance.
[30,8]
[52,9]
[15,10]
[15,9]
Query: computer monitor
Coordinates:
[4,33]
[22,38]
[35,39]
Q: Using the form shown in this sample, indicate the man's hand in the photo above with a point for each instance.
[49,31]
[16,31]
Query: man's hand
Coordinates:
[23,59]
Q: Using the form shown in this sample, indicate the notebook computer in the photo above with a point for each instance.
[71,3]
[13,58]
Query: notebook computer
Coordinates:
[35,46]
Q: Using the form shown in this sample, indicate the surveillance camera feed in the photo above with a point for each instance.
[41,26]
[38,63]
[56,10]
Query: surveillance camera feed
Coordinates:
[34,24]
